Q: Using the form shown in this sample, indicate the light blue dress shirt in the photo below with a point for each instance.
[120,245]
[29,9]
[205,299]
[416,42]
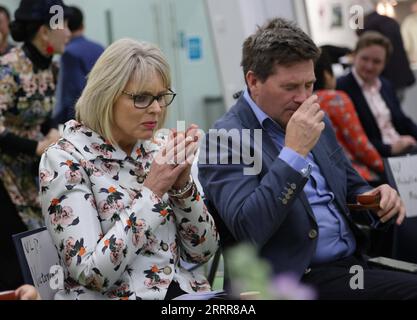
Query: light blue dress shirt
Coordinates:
[335,240]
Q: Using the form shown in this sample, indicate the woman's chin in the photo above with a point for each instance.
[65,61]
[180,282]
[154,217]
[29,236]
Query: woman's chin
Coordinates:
[145,135]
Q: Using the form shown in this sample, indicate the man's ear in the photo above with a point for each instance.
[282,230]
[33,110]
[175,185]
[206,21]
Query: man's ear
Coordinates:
[252,82]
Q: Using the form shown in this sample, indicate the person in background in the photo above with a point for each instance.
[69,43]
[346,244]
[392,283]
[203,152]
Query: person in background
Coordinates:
[5,46]
[27,90]
[338,55]
[349,131]
[409,33]
[76,62]
[397,67]
[375,100]
[120,204]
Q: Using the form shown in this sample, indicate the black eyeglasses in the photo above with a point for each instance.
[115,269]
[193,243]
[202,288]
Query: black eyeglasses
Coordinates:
[144,100]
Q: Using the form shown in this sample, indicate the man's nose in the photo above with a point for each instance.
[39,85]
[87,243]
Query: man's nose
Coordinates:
[302,95]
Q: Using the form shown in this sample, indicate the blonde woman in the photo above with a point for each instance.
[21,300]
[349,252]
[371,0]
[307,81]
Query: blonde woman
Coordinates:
[121,215]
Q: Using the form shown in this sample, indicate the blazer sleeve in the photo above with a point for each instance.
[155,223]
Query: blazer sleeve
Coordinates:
[349,86]
[253,209]
[94,259]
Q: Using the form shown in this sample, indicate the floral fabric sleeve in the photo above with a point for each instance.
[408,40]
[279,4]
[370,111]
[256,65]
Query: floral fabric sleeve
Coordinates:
[196,229]
[93,259]
[8,88]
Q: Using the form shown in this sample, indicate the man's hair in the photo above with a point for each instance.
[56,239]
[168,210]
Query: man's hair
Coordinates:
[75,19]
[373,38]
[5,11]
[122,61]
[278,42]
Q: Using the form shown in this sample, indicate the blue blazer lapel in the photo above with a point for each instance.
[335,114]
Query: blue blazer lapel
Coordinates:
[323,161]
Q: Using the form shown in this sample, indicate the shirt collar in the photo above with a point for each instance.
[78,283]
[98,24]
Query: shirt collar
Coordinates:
[262,117]
[376,86]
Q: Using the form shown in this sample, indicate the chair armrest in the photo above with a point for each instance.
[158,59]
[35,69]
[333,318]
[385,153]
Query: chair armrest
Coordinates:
[393,264]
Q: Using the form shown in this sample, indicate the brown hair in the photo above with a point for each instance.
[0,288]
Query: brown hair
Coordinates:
[276,42]
[372,38]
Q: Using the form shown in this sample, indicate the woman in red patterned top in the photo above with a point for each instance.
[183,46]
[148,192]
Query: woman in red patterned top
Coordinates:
[349,131]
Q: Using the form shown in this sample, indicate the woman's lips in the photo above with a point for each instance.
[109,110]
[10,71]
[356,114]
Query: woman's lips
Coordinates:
[150,124]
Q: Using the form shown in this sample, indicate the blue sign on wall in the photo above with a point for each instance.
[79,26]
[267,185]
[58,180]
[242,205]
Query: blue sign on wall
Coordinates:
[195,48]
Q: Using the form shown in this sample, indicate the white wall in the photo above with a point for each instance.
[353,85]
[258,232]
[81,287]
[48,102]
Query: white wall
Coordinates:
[231,22]
[320,15]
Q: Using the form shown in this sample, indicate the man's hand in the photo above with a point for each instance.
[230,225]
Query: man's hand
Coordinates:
[305,127]
[390,205]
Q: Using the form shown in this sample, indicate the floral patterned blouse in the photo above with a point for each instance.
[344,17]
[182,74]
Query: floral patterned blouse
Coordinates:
[26,102]
[350,133]
[115,237]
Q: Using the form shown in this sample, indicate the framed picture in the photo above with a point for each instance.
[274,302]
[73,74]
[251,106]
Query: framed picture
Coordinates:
[336,18]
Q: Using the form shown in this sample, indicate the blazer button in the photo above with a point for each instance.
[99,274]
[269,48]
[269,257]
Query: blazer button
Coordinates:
[312,234]
[293,186]
[167,270]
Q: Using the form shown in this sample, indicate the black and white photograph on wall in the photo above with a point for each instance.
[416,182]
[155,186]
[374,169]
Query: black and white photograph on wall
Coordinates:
[336,16]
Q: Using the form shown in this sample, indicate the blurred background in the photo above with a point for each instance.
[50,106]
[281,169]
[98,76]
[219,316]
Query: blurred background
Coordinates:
[202,39]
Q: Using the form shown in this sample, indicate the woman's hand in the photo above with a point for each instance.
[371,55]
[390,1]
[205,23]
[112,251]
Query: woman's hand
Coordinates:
[172,166]
[52,137]
[192,140]
[164,171]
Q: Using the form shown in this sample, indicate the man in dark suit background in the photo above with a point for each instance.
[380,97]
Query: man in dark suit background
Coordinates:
[397,68]
[291,203]
[387,127]
[77,61]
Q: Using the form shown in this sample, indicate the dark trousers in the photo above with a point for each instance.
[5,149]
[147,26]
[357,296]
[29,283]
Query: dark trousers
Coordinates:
[10,223]
[332,281]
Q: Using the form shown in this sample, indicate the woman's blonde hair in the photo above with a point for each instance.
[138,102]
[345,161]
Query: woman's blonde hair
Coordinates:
[124,60]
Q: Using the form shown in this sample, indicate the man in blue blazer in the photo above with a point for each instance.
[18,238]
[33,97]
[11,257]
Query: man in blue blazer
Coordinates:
[376,103]
[276,175]
[76,63]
